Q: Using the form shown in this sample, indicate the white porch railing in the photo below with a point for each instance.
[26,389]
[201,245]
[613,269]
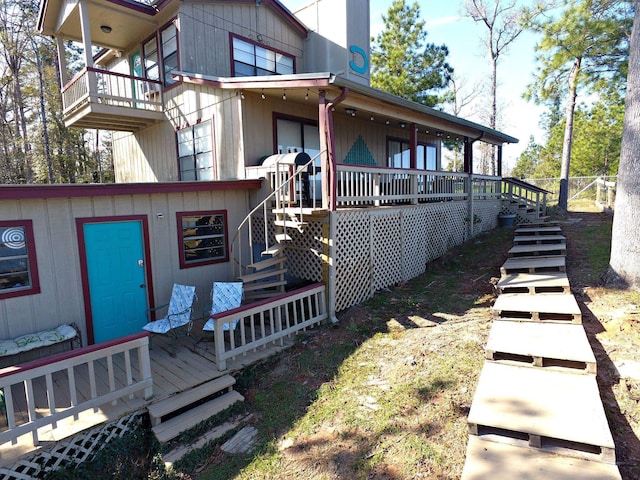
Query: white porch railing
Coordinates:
[517,191]
[486,187]
[359,186]
[32,384]
[111,88]
[259,324]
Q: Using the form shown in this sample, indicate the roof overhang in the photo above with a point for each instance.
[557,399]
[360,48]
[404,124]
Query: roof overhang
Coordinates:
[366,100]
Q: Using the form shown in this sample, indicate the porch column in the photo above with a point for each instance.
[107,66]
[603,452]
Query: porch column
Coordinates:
[499,172]
[468,155]
[324,164]
[85,28]
[62,62]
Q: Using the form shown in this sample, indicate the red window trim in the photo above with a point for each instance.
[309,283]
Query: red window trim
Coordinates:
[31,254]
[183,263]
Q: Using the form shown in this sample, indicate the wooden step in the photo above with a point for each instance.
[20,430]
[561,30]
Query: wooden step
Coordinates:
[290,224]
[189,419]
[533,265]
[273,250]
[534,283]
[542,307]
[538,250]
[180,400]
[537,231]
[536,239]
[282,237]
[262,274]
[538,223]
[250,287]
[270,262]
[543,345]
[552,411]
[497,461]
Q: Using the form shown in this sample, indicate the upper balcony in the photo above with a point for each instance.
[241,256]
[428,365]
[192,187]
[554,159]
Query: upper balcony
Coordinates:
[111,101]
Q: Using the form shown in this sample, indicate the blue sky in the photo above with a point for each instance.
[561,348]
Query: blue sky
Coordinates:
[446,25]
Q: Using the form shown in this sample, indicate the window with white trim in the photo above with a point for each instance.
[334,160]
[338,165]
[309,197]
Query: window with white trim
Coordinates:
[202,237]
[195,152]
[251,60]
[18,266]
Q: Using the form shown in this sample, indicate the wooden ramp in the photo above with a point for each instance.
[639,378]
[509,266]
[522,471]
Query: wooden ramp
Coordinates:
[564,417]
[550,282]
[543,307]
[538,239]
[545,249]
[533,265]
[553,345]
[496,461]
[537,231]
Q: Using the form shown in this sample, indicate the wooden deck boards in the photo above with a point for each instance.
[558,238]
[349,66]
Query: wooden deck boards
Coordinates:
[533,265]
[540,307]
[537,231]
[552,345]
[538,249]
[538,239]
[495,461]
[566,416]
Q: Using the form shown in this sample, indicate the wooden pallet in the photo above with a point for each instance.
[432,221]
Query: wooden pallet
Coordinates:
[533,283]
[533,265]
[543,345]
[537,231]
[543,307]
[552,411]
[538,223]
[496,461]
[538,250]
[538,239]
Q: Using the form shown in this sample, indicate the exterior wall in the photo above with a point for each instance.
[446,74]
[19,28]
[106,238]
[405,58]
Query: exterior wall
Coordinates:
[57,251]
[339,41]
[205,27]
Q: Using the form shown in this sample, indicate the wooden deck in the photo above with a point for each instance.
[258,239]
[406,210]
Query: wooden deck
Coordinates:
[192,365]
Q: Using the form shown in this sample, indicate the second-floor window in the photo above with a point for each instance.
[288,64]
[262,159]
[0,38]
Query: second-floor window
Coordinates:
[251,59]
[195,152]
[159,62]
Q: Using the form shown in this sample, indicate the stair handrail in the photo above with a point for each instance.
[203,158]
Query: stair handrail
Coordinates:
[289,181]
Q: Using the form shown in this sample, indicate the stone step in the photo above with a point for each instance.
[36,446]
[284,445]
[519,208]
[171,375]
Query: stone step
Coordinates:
[545,345]
[542,307]
[548,410]
[171,404]
[496,461]
[538,250]
[536,239]
[165,431]
[533,265]
[537,231]
[533,283]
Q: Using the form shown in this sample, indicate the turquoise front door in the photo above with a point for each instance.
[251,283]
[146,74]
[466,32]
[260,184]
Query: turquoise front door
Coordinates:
[116,277]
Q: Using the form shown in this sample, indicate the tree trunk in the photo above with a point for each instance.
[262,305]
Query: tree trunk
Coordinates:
[563,200]
[43,113]
[624,265]
[494,105]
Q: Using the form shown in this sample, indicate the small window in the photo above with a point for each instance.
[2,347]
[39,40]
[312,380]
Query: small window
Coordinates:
[250,60]
[195,152]
[18,266]
[202,237]
[169,38]
[150,53]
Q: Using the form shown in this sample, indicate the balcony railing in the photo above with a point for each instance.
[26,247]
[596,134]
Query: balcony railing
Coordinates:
[31,387]
[374,186]
[93,85]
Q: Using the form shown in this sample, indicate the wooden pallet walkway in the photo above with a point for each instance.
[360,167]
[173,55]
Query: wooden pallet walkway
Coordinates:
[537,231]
[497,461]
[533,265]
[555,345]
[545,249]
[543,307]
[538,239]
[532,283]
[553,411]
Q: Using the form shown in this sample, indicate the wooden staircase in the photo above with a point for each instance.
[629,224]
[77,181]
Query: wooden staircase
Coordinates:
[525,200]
[175,414]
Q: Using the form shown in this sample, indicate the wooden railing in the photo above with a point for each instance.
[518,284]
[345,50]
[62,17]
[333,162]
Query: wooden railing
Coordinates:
[259,324]
[111,88]
[486,187]
[520,192]
[605,194]
[32,384]
[360,186]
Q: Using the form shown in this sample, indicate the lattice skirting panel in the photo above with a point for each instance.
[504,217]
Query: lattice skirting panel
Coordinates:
[72,451]
[305,251]
[487,212]
[376,248]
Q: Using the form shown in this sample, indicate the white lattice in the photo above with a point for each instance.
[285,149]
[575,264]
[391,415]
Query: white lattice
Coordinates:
[487,212]
[305,251]
[386,247]
[353,268]
[73,451]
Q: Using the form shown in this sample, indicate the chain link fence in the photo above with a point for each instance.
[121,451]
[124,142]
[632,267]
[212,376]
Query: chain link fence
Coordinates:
[600,190]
